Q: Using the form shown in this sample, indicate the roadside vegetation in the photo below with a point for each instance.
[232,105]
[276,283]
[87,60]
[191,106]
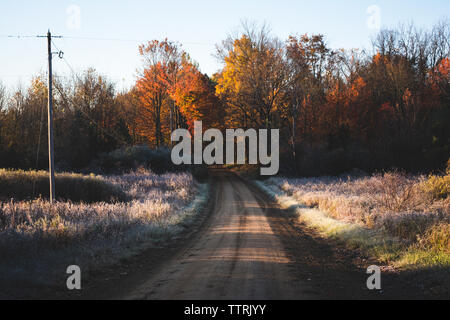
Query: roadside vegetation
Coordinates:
[133,157]
[29,185]
[398,218]
[38,241]
[370,108]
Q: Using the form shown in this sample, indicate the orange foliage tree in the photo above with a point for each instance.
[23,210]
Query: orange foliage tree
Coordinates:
[172,93]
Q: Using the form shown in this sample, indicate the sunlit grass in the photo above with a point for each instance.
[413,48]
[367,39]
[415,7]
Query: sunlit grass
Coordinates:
[38,240]
[30,185]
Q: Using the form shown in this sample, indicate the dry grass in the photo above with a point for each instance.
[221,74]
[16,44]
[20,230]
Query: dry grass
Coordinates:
[28,185]
[38,241]
[415,210]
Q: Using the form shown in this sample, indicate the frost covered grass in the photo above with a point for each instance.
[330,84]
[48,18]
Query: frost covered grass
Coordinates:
[38,241]
[28,185]
[399,218]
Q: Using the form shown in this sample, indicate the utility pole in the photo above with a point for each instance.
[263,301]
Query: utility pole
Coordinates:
[51,162]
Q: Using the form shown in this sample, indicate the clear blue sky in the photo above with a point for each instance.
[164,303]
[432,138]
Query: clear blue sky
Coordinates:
[197,25]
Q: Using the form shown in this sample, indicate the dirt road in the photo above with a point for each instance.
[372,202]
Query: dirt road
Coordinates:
[237,255]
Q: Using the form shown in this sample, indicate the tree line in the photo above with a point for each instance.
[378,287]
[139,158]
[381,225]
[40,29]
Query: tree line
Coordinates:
[336,109]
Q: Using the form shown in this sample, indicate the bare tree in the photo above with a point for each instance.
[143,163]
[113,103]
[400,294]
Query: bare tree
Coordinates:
[3,97]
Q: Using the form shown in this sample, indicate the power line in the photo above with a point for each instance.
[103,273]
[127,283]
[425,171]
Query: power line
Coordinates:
[105,39]
[17,36]
[135,40]
[112,133]
[64,59]
[51,166]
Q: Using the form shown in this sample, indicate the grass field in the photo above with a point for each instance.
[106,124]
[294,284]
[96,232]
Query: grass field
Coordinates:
[35,236]
[29,185]
[401,219]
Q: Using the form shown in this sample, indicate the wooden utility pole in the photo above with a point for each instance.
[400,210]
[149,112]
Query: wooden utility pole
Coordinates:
[51,163]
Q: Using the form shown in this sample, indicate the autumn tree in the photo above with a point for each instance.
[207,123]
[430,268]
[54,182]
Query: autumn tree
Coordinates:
[129,103]
[309,60]
[253,80]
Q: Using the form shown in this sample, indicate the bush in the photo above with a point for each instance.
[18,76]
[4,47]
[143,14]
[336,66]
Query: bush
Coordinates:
[319,159]
[409,226]
[399,221]
[200,172]
[158,161]
[130,158]
[26,185]
[398,192]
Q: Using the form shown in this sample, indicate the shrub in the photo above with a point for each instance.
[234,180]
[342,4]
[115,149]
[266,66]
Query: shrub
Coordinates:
[398,192]
[25,185]
[158,161]
[130,158]
[437,187]
[437,238]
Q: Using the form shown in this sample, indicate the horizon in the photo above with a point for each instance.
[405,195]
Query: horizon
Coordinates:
[88,42]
